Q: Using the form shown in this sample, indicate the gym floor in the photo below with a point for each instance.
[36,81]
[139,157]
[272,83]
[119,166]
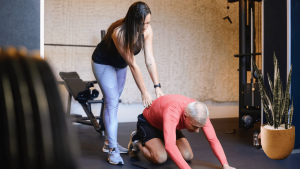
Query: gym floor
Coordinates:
[238,148]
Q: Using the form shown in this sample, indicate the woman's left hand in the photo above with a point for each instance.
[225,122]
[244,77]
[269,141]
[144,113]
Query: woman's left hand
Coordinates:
[158,92]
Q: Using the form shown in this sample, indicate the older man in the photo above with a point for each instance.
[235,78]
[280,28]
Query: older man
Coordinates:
[160,125]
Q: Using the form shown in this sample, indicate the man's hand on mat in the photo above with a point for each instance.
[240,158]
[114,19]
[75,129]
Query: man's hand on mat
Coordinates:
[226,166]
[147,99]
[158,92]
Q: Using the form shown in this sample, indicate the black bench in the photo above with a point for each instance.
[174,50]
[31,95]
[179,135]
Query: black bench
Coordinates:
[85,93]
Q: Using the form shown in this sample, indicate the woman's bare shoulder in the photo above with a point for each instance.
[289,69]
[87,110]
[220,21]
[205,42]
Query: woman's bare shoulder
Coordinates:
[116,32]
[148,32]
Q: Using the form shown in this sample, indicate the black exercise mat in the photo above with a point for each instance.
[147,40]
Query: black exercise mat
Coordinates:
[169,164]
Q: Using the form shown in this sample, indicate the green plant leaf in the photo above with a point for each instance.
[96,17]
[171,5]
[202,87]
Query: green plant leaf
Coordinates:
[289,82]
[279,99]
[287,96]
[267,105]
[282,105]
[267,110]
[270,83]
[286,120]
[279,102]
[275,99]
[291,114]
[275,68]
[286,109]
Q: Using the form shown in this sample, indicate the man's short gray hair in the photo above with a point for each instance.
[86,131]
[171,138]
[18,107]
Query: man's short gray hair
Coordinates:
[197,111]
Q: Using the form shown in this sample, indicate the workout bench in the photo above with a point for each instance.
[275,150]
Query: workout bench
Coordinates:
[85,93]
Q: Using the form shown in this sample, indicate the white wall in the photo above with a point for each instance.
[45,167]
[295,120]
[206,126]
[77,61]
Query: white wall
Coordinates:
[128,112]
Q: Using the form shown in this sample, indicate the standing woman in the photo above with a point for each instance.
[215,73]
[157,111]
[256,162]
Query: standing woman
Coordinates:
[124,39]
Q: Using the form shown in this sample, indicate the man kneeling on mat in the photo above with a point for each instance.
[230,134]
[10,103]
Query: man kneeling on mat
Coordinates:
[160,125]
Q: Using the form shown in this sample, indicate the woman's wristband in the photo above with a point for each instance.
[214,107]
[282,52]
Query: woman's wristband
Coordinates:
[158,85]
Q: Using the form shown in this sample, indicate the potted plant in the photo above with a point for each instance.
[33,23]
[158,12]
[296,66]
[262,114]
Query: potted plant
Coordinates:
[278,135]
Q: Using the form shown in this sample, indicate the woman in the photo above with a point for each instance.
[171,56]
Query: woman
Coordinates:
[124,39]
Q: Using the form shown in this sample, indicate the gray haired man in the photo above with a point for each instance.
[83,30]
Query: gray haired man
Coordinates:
[161,125]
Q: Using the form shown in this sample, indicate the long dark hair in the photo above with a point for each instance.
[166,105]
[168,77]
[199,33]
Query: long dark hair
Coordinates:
[131,27]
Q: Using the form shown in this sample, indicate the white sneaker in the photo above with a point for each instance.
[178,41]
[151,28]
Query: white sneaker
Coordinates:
[114,157]
[105,148]
[132,146]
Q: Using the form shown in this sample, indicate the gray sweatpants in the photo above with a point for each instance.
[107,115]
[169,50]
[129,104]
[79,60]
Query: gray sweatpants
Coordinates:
[111,81]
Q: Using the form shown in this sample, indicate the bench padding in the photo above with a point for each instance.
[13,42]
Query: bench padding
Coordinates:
[79,89]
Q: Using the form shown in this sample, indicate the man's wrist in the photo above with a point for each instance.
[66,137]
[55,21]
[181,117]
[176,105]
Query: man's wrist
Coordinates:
[225,165]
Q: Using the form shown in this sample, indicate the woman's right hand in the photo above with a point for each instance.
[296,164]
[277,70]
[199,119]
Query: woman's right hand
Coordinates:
[147,99]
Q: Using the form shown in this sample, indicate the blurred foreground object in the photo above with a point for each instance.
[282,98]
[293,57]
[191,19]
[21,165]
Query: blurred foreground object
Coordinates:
[35,133]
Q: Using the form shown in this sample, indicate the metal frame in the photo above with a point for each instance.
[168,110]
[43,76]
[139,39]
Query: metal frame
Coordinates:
[246,53]
[87,107]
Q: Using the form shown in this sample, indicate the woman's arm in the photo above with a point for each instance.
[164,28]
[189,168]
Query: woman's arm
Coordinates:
[135,70]
[149,59]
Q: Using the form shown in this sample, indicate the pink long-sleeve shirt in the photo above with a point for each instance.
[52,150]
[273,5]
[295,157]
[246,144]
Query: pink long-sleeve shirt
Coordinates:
[167,113]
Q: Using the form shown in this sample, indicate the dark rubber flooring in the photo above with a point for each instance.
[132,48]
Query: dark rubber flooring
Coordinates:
[238,149]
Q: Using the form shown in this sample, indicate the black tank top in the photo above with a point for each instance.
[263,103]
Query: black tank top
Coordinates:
[109,55]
